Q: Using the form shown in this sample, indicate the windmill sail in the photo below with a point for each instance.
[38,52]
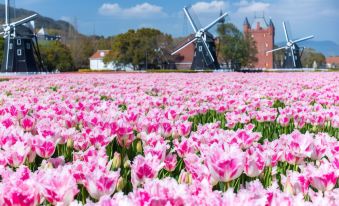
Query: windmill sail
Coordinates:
[292,50]
[204,54]
[21,49]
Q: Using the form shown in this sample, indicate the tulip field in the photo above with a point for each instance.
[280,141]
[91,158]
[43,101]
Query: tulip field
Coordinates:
[170,139]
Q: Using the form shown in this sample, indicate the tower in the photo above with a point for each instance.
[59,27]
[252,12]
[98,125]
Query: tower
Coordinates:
[263,35]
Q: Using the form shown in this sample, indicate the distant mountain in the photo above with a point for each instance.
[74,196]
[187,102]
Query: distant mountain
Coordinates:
[328,48]
[51,25]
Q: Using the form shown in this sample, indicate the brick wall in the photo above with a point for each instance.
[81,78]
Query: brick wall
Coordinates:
[263,35]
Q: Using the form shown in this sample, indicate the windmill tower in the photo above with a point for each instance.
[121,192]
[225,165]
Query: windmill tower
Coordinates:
[205,50]
[293,52]
[21,49]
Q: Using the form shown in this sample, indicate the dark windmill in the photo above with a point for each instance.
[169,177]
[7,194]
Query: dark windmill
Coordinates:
[21,48]
[205,50]
[293,53]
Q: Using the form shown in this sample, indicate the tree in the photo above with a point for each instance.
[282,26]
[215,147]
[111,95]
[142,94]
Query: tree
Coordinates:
[81,48]
[278,57]
[237,50]
[2,47]
[56,56]
[142,48]
[310,56]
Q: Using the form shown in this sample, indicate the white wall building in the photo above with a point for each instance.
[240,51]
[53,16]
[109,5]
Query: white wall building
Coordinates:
[97,63]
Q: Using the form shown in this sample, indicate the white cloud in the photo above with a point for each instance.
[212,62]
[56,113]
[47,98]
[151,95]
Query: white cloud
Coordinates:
[252,7]
[109,9]
[143,10]
[209,7]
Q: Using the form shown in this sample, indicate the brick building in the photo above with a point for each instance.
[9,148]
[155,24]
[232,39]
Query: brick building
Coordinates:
[263,34]
[332,62]
[185,56]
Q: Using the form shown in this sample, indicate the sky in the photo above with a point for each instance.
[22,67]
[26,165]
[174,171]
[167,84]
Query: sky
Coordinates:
[109,17]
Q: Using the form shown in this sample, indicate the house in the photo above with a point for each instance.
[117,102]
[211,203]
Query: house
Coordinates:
[97,62]
[263,34]
[332,62]
[43,35]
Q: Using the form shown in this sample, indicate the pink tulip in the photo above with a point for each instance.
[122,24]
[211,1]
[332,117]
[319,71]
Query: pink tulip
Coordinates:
[27,123]
[323,178]
[170,162]
[295,183]
[283,120]
[43,147]
[144,168]
[166,129]
[301,144]
[158,150]
[324,182]
[17,154]
[20,189]
[246,138]
[171,115]
[184,129]
[99,183]
[254,162]
[53,189]
[184,147]
[162,192]
[225,162]
[125,134]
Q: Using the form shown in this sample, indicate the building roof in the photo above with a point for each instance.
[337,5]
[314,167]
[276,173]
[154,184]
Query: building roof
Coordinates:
[246,22]
[221,21]
[271,23]
[42,32]
[100,54]
[261,21]
[332,60]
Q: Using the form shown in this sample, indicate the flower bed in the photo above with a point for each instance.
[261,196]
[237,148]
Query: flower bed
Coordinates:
[170,139]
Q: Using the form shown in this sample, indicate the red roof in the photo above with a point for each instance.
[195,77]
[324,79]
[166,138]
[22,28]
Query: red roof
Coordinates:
[332,60]
[100,54]
[186,53]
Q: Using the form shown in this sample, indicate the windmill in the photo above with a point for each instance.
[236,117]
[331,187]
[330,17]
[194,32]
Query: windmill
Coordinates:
[21,48]
[205,49]
[293,52]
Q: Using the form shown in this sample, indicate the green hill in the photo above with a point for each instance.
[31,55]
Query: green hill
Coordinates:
[52,26]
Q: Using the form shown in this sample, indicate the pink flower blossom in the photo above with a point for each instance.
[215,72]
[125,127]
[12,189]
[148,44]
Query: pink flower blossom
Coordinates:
[170,162]
[144,168]
[225,162]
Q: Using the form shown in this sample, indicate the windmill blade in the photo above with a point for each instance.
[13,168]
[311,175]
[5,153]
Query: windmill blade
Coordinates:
[293,57]
[214,22]
[190,20]
[25,20]
[185,45]
[303,39]
[7,20]
[286,35]
[206,47]
[7,53]
[273,50]
[32,25]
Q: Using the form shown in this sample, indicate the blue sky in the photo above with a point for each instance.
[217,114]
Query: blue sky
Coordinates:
[109,17]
